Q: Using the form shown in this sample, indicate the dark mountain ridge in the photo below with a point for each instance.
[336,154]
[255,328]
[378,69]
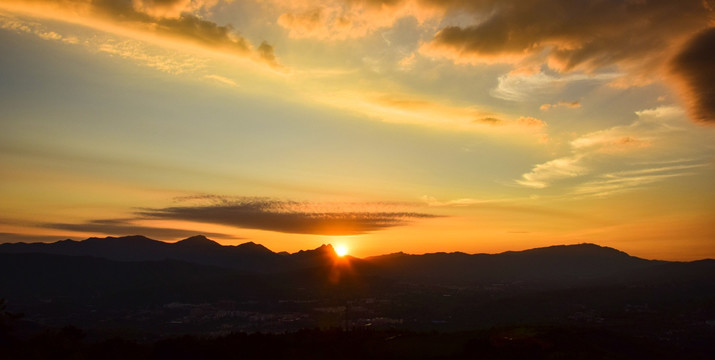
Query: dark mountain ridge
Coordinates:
[143,283]
[560,265]
[247,257]
[564,264]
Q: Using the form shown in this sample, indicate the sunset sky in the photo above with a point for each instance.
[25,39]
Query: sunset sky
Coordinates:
[383,125]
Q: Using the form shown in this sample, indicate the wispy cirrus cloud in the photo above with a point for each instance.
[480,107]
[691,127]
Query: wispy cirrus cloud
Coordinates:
[180,21]
[171,62]
[403,108]
[622,181]
[524,85]
[655,132]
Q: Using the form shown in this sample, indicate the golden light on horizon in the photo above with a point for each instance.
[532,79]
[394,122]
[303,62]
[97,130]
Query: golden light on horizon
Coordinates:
[341,249]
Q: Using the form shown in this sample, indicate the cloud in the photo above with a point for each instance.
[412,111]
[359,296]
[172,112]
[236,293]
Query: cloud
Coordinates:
[138,51]
[463,202]
[171,8]
[565,104]
[590,37]
[657,133]
[588,34]
[617,182]
[221,79]
[121,227]
[610,141]
[348,19]
[694,66]
[289,216]
[521,86]
[544,174]
[177,20]
[18,26]
[406,108]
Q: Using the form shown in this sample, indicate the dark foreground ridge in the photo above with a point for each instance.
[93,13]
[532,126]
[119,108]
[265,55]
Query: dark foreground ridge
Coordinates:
[522,342]
[199,296]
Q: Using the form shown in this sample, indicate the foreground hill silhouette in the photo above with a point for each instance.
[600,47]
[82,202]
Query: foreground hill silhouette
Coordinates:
[140,288]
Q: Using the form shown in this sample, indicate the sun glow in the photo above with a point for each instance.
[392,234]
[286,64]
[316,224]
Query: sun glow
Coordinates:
[341,250]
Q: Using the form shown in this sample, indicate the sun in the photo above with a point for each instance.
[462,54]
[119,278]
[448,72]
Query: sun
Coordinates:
[341,250]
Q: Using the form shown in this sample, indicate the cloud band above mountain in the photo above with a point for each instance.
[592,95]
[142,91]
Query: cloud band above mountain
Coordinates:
[289,216]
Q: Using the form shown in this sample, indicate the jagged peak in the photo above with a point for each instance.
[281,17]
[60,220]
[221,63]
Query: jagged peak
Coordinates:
[325,248]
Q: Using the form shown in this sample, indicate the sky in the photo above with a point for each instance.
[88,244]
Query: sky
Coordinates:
[478,126]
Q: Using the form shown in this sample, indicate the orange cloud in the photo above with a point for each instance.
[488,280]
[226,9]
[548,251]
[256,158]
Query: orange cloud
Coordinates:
[176,20]
[403,108]
[346,19]
[170,8]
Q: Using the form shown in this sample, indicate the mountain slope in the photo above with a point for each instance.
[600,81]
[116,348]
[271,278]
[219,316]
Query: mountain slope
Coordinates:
[562,264]
[247,257]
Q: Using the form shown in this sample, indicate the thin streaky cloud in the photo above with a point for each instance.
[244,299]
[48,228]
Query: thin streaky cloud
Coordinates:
[291,216]
[151,21]
[611,184]
[122,227]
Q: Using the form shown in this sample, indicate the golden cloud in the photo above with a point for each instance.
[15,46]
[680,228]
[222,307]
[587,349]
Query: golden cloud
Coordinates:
[173,20]
[347,19]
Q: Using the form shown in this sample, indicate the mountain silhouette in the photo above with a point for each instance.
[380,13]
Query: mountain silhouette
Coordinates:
[562,264]
[248,257]
[152,284]
[198,242]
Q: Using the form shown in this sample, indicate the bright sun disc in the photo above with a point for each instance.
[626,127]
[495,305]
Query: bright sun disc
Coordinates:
[341,250]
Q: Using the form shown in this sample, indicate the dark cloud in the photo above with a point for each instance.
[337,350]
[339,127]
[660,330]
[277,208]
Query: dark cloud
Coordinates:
[254,213]
[121,227]
[286,216]
[183,24]
[589,33]
[695,66]
[637,37]
[267,53]
[203,32]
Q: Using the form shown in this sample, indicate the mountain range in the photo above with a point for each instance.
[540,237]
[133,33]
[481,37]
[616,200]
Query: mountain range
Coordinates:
[563,264]
[137,282]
